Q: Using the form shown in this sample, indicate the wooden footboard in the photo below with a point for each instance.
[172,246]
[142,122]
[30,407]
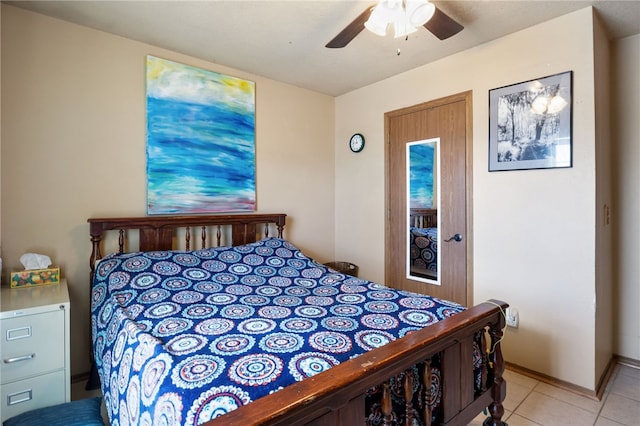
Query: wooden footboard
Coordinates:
[336,396]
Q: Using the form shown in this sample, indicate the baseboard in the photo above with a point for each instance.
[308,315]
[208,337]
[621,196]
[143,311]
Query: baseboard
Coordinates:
[596,395]
[606,376]
[635,363]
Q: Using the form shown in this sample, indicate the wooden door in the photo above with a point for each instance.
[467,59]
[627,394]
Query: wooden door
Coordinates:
[450,120]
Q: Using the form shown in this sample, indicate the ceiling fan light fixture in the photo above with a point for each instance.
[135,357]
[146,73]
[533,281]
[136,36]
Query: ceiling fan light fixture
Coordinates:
[419,12]
[406,16]
[384,13]
[377,22]
[416,14]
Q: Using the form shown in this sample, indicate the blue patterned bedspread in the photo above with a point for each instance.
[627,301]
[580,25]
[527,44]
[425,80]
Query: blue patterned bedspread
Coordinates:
[181,337]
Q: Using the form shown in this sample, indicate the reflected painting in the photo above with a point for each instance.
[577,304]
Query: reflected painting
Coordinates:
[423,262]
[421,163]
[200,140]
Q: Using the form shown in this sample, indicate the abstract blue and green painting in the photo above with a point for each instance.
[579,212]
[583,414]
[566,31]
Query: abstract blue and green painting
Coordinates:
[421,174]
[201,153]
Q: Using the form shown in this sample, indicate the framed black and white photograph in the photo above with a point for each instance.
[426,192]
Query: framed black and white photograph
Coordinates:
[530,124]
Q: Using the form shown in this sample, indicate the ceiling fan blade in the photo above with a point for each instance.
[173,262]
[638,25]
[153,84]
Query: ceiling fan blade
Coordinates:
[350,31]
[442,26]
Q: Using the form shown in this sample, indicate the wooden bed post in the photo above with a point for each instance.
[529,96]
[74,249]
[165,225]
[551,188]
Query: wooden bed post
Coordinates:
[499,386]
[95,255]
[96,237]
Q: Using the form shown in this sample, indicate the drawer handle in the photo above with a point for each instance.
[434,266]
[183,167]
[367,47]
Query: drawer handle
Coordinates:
[19,358]
[19,333]
[19,397]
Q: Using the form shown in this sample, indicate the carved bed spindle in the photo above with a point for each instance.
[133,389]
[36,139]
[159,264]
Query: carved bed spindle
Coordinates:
[203,237]
[426,379]
[408,397]
[187,238]
[484,373]
[386,406]
[121,240]
[218,236]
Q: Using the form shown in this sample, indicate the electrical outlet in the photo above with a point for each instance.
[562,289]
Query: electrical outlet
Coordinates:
[512,317]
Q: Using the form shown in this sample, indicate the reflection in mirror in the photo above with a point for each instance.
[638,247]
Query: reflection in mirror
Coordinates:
[423,200]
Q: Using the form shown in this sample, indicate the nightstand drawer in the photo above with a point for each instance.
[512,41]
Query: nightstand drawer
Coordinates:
[32,344]
[29,394]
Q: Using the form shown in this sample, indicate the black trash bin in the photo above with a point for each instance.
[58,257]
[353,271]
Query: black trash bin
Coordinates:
[344,267]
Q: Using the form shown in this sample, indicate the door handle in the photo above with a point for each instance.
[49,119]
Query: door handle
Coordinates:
[456,238]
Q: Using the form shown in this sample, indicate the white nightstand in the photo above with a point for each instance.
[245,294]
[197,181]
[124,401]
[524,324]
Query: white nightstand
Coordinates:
[34,370]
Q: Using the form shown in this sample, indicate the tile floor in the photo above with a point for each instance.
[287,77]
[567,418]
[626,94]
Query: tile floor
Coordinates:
[530,402]
[533,403]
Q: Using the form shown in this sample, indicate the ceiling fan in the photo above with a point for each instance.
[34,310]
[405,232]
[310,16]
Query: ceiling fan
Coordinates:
[404,15]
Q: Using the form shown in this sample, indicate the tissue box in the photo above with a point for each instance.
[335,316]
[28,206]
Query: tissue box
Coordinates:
[33,277]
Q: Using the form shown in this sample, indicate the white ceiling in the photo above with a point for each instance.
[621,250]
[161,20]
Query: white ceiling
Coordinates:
[284,40]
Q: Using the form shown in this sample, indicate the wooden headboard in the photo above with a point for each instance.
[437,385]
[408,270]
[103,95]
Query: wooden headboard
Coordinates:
[161,232]
[423,218]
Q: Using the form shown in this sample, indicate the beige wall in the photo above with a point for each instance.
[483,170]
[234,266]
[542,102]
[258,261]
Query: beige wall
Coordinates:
[73,147]
[626,207]
[534,240]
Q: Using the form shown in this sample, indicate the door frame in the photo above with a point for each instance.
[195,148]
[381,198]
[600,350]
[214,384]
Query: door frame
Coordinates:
[467,97]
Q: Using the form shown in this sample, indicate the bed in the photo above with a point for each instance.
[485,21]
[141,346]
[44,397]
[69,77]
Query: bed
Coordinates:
[423,242]
[218,320]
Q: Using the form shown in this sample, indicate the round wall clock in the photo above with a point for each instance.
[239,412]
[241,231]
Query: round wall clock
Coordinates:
[356,143]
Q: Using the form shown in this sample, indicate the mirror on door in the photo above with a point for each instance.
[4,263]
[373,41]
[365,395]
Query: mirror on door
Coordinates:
[423,200]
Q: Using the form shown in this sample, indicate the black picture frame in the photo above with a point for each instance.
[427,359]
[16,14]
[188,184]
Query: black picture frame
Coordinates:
[530,124]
